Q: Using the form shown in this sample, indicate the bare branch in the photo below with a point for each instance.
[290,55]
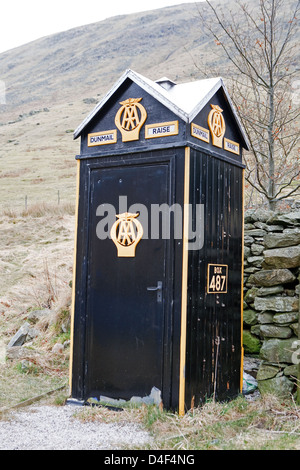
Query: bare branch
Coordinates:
[259,43]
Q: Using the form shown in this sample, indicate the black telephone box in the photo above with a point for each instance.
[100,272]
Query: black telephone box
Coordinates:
[157,296]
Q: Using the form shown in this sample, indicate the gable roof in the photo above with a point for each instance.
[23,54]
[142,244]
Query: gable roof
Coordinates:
[186,100]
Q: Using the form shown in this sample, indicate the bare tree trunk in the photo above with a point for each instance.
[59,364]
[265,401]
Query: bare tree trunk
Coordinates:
[271,163]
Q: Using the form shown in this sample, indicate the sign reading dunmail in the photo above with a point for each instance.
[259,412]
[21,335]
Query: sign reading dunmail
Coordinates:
[102,138]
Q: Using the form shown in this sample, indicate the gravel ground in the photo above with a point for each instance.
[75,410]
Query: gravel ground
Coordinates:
[53,428]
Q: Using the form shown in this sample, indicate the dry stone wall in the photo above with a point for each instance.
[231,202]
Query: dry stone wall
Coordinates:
[271,297]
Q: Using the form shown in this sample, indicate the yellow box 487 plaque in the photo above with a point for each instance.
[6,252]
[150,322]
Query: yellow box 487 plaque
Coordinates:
[217,278]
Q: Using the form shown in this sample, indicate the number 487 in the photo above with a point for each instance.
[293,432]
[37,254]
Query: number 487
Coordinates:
[217,283]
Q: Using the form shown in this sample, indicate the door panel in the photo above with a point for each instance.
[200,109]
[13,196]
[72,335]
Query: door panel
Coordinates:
[126,319]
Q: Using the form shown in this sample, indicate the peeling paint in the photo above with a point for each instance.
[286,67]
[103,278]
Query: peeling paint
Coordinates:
[153,399]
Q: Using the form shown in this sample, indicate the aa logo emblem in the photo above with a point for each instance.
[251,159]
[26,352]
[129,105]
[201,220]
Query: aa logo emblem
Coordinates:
[216,124]
[130,118]
[126,233]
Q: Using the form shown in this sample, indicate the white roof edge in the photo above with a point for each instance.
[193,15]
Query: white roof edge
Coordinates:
[205,100]
[209,95]
[93,113]
[159,93]
[141,81]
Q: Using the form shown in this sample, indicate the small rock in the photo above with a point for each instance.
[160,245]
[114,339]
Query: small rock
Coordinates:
[20,337]
[249,226]
[58,348]
[26,365]
[251,270]
[247,252]
[255,330]
[257,249]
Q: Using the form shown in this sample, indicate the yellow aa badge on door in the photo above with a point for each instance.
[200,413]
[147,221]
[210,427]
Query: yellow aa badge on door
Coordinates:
[216,124]
[130,118]
[126,233]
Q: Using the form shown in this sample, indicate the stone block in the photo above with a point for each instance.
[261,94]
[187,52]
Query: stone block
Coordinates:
[248,240]
[255,330]
[271,277]
[20,337]
[265,291]
[278,240]
[277,350]
[249,317]
[276,304]
[291,370]
[250,295]
[256,232]
[257,249]
[282,257]
[280,386]
[256,261]
[264,318]
[247,252]
[285,318]
[273,331]
[290,218]
[25,333]
[294,327]
[267,371]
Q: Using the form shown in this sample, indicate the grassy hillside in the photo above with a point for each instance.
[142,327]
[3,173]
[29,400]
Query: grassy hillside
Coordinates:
[54,82]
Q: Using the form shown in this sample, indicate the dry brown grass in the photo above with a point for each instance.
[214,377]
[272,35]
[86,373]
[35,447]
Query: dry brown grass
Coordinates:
[266,423]
[36,265]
